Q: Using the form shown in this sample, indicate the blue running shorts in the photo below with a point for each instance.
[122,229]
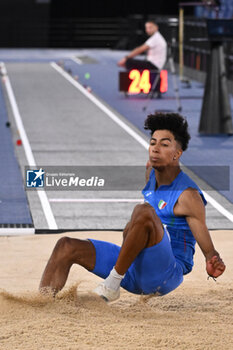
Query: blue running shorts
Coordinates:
[155,270]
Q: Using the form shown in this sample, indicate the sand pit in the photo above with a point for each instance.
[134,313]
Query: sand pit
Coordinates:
[198,315]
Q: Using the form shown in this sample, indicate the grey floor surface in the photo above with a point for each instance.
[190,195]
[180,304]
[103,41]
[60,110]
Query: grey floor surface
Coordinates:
[66,129]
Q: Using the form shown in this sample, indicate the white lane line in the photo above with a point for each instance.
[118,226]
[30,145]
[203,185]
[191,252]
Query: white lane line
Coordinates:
[16,231]
[218,206]
[130,131]
[99,104]
[95,200]
[28,151]
[76,60]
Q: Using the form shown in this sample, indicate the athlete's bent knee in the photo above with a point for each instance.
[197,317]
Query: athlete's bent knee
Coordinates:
[62,242]
[145,215]
[145,210]
[63,247]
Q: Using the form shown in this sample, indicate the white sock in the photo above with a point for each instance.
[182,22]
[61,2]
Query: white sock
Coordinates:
[113,281]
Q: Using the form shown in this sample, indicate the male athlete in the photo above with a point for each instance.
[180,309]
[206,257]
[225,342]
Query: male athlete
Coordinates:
[159,240]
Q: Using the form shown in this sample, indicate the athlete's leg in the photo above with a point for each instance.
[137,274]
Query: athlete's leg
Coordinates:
[144,230]
[68,251]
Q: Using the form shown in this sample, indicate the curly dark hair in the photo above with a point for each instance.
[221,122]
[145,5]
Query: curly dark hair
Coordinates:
[173,122]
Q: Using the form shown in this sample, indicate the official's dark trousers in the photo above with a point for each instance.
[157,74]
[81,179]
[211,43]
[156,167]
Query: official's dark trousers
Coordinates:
[132,63]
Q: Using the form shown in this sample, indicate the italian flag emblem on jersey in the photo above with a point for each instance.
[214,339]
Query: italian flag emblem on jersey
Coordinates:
[162,204]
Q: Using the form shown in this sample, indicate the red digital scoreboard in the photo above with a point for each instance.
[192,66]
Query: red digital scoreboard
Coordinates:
[136,82]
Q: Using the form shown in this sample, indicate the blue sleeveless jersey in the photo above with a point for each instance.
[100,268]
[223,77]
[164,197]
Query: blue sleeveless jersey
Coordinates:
[163,200]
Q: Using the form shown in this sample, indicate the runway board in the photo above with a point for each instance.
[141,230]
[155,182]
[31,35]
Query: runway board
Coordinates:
[62,126]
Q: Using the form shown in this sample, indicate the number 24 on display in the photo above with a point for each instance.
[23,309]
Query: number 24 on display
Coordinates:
[140,81]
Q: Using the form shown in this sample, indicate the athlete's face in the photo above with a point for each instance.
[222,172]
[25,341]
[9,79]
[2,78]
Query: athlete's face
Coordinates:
[164,150]
[150,28]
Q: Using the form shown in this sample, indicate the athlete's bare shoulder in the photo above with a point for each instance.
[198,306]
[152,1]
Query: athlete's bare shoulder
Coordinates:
[189,203]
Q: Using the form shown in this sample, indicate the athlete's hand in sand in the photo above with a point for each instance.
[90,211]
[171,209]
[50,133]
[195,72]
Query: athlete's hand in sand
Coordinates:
[215,266]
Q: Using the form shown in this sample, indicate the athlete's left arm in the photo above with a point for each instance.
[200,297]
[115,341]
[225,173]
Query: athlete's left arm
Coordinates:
[190,204]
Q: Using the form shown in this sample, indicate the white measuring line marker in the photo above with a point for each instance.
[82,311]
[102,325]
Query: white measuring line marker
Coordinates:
[130,131]
[29,155]
[95,200]
[218,206]
[17,231]
[76,60]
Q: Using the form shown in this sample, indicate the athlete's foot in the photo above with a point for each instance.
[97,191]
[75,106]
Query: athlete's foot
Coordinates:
[106,293]
[48,291]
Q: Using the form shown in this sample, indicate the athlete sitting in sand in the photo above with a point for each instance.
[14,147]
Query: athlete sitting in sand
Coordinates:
[159,240]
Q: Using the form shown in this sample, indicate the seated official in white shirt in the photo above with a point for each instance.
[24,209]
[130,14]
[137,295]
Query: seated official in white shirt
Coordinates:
[155,48]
